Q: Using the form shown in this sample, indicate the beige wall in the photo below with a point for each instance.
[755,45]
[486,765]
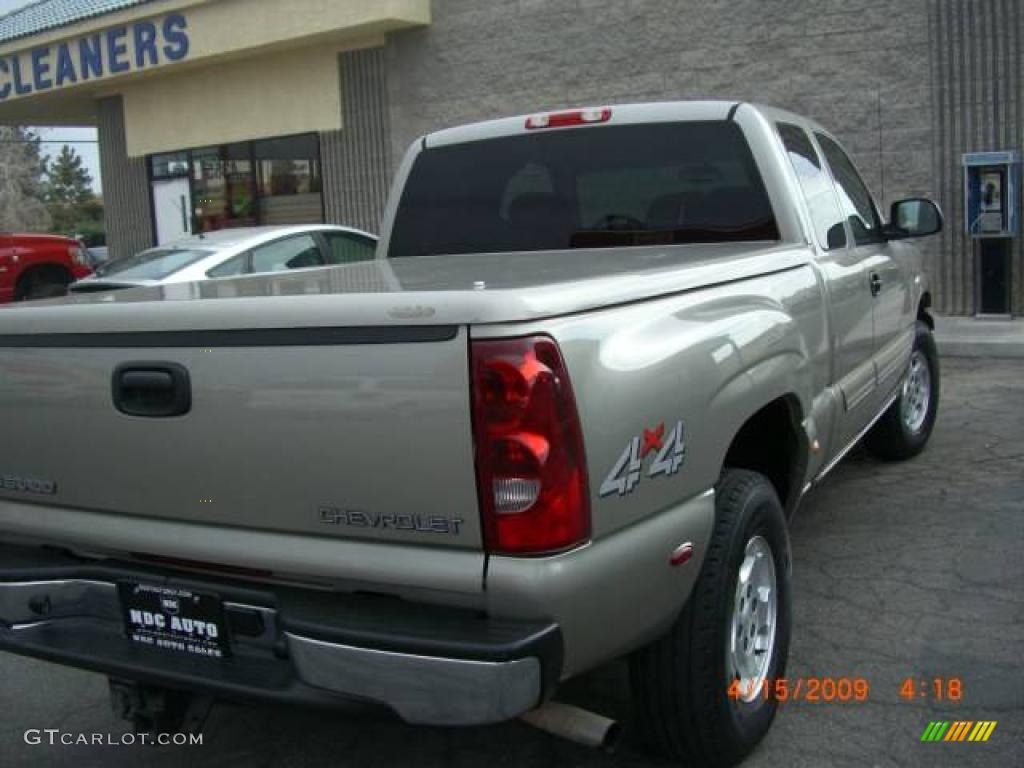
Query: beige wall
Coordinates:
[274,95]
[219,31]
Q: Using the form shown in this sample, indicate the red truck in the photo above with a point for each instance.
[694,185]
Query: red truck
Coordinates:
[39,266]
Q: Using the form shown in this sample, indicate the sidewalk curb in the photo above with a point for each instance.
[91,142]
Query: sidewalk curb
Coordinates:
[979,337]
[972,348]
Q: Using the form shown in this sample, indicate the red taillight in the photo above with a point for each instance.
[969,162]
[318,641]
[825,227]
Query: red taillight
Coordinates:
[531,471]
[569,117]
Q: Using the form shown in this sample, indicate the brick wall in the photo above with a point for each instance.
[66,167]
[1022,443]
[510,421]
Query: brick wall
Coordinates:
[866,69]
[978,86]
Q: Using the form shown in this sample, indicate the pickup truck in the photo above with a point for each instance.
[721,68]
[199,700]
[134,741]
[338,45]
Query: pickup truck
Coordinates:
[35,266]
[562,417]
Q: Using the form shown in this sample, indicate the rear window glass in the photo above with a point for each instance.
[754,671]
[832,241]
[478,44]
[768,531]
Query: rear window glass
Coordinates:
[154,264]
[584,188]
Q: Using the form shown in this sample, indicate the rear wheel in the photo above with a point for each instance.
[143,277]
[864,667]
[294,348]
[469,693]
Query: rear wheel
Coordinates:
[904,429]
[699,691]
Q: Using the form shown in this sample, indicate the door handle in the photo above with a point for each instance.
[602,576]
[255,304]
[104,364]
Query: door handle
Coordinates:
[876,284]
[151,390]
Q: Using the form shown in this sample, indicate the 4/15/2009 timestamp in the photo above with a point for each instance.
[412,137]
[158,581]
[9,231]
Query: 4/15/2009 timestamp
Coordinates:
[843,689]
[813,689]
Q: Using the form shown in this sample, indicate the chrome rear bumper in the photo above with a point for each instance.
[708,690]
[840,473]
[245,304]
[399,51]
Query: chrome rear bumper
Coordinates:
[79,622]
[422,689]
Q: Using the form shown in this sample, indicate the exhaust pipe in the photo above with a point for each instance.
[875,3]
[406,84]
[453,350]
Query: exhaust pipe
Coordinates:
[575,724]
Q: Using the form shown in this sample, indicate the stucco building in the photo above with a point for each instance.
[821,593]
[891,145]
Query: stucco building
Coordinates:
[225,112]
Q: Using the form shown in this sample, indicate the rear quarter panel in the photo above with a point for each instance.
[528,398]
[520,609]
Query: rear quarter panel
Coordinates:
[708,358]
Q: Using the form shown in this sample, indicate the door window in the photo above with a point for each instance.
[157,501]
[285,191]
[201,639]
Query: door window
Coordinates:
[815,185]
[289,253]
[231,268]
[858,207]
[343,248]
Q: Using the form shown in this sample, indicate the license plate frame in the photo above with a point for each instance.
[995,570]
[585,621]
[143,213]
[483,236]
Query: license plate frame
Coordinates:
[188,622]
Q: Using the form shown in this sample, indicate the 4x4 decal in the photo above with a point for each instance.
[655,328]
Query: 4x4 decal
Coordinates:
[669,454]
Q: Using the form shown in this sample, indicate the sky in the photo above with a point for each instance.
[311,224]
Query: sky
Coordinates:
[84,138]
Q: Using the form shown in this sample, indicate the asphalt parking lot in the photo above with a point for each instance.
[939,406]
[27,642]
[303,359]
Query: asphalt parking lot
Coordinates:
[912,570]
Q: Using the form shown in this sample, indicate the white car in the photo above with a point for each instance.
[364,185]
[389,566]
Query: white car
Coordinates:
[233,252]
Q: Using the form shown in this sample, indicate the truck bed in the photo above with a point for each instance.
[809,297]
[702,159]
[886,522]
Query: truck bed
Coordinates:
[426,290]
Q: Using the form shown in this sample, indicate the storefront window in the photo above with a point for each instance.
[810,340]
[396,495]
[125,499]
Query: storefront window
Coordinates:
[170,165]
[241,186]
[276,181]
[289,180]
[223,190]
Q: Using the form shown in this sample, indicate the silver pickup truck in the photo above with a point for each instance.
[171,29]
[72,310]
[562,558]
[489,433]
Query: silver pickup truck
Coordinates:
[561,418]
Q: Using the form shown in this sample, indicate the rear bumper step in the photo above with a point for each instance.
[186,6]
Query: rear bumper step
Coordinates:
[428,664]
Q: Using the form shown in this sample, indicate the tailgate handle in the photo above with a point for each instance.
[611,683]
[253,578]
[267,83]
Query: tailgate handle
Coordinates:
[152,390]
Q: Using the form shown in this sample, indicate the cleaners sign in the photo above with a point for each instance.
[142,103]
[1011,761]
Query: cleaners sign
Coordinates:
[117,51]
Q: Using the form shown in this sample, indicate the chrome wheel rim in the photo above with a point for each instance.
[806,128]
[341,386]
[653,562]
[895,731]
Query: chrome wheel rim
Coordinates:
[917,392]
[754,619]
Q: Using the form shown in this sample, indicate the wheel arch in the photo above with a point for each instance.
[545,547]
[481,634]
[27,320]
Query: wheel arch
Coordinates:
[756,446]
[27,275]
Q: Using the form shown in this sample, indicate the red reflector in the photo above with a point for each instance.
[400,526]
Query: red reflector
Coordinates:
[682,554]
[531,471]
[569,117]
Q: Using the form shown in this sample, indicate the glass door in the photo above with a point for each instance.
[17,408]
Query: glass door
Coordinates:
[171,210]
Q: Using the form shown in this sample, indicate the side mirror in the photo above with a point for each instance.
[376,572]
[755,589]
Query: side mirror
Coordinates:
[913,217]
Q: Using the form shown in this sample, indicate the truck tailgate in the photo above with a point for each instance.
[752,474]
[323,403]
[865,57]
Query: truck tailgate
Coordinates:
[354,433]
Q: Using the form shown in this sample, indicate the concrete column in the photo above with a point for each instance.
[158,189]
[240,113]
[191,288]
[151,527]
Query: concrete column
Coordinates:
[357,159]
[126,194]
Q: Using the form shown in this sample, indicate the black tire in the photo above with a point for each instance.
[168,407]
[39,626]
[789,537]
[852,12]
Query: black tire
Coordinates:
[45,284]
[679,682]
[48,291]
[892,438]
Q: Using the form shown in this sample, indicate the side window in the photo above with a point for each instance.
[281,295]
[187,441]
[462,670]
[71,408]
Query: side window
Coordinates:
[231,267]
[289,253]
[816,186]
[854,197]
[347,249]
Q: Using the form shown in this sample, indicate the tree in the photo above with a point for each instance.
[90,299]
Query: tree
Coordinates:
[69,195]
[22,207]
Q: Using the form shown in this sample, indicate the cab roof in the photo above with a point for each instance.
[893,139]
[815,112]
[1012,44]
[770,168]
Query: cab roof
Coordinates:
[620,114]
